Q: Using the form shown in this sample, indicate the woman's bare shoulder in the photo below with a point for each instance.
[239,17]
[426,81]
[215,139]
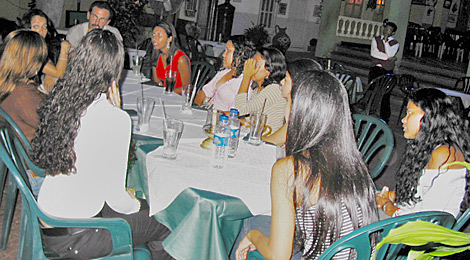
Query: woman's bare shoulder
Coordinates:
[445,154]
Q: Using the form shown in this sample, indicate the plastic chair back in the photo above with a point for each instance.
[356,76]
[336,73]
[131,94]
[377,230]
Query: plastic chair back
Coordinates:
[462,219]
[205,70]
[30,241]
[378,87]
[360,238]
[372,135]
[463,85]
[349,81]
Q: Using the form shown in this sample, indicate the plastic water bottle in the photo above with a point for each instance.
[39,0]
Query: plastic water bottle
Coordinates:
[221,136]
[234,125]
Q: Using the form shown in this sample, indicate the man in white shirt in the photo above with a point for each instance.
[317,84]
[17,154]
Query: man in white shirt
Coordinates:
[99,16]
[383,51]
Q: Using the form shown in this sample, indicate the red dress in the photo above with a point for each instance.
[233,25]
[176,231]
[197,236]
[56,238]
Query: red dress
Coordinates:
[160,69]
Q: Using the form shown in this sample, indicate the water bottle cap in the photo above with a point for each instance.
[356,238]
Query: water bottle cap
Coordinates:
[233,112]
[223,118]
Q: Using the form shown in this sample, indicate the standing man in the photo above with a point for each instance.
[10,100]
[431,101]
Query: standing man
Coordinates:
[383,51]
[99,16]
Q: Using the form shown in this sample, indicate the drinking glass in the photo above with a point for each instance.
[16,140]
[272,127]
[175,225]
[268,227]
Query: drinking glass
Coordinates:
[137,64]
[170,80]
[187,102]
[172,130]
[144,112]
[257,122]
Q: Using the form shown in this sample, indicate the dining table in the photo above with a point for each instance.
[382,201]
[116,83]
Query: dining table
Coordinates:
[204,207]
[464,97]
[212,48]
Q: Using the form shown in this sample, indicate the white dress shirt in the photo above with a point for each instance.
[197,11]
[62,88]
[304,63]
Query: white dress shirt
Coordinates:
[101,148]
[77,32]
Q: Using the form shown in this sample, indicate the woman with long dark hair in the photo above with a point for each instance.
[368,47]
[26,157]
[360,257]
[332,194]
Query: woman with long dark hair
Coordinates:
[83,144]
[222,89]
[436,136]
[166,55]
[322,189]
[264,73]
[36,20]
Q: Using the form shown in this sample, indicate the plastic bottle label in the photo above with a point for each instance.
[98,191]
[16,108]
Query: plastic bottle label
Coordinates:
[235,132]
[220,140]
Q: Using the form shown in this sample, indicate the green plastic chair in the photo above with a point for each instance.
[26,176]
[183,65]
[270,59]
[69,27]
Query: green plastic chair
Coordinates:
[22,144]
[359,240]
[372,134]
[206,73]
[30,242]
[348,79]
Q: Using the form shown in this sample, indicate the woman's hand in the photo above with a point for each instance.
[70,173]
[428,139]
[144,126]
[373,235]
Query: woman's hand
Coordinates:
[250,68]
[244,247]
[114,96]
[384,196]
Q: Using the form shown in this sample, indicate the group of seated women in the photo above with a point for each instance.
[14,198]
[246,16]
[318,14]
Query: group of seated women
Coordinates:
[320,191]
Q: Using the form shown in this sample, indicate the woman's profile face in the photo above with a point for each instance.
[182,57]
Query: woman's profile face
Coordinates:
[39,25]
[286,85]
[412,121]
[160,39]
[228,55]
[262,73]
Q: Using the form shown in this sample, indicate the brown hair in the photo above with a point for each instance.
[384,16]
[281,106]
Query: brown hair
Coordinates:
[23,57]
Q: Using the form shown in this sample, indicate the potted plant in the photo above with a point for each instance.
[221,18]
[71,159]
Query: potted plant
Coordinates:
[257,34]
[127,13]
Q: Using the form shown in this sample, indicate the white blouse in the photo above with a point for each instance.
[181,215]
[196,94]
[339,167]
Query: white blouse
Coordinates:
[439,190]
[101,148]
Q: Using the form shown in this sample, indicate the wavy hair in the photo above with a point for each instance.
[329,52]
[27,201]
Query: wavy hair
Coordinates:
[244,50]
[320,138]
[275,64]
[170,32]
[440,125]
[22,58]
[96,63]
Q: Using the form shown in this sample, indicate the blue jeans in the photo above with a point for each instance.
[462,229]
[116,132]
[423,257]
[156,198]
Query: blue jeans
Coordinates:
[262,223]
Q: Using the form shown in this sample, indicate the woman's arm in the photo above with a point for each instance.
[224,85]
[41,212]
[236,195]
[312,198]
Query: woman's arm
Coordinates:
[185,73]
[442,155]
[279,137]
[279,244]
[58,70]
[244,106]
[249,69]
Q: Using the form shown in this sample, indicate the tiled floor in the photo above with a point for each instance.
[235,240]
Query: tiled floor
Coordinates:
[10,252]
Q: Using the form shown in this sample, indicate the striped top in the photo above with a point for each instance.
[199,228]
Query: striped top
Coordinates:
[306,226]
[274,108]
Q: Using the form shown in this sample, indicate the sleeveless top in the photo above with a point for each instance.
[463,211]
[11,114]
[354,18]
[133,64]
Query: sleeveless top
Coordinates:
[306,226]
[441,190]
[160,69]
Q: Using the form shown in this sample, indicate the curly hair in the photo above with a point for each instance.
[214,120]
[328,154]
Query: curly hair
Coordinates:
[244,50]
[22,58]
[440,125]
[96,63]
[275,64]
[320,138]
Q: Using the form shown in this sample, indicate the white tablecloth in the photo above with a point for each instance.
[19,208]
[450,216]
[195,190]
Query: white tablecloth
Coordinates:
[247,176]
[213,48]
[464,97]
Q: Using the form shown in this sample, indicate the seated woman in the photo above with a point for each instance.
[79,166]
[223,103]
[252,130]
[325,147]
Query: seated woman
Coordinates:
[322,188]
[36,20]
[265,71]
[293,68]
[436,136]
[223,88]
[83,144]
[166,55]
[25,53]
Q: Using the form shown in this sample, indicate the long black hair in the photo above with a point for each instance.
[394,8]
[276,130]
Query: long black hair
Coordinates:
[96,63]
[244,50]
[170,32]
[52,39]
[275,64]
[440,125]
[320,138]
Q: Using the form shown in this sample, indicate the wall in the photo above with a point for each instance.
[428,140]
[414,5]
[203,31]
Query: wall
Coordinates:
[11,9]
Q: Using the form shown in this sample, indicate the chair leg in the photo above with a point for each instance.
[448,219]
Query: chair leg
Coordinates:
[3,177]
[12,192]
[401,108]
